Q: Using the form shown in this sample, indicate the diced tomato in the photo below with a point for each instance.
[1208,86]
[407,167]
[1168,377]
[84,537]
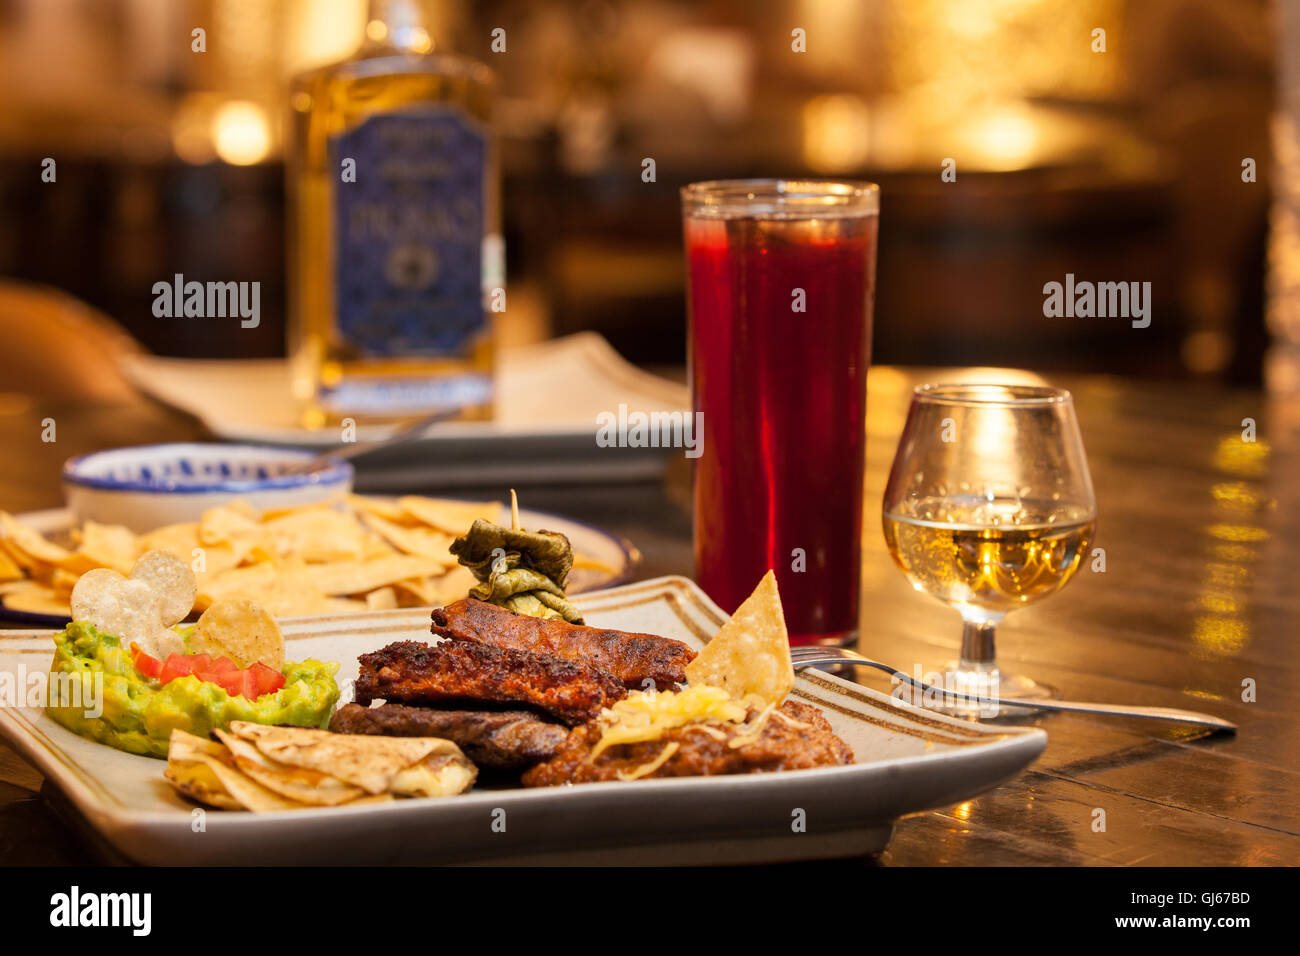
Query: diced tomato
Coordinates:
[150,667]
[268,680]
[229,681]
[223,665]
[252,682]
[181,665]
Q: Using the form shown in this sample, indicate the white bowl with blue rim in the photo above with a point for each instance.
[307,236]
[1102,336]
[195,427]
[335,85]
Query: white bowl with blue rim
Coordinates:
[149,486]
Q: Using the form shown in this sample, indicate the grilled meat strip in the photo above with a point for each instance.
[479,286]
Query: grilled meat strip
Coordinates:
[633,658]
[492,739]
[411,673]
[795,737]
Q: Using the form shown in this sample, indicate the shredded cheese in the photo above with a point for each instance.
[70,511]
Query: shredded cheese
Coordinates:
[787,719]
[752,731]
[646,715]
[714,732]
[648,768]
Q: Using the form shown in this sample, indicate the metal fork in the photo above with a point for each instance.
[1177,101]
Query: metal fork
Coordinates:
[348,450]
[803,657]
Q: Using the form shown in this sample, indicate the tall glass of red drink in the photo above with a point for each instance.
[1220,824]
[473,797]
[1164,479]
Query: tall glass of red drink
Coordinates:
[780,281]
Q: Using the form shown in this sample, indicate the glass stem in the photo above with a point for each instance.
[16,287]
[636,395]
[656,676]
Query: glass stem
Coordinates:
[977,650]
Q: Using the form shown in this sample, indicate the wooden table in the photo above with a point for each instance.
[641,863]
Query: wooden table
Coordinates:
[1201,593]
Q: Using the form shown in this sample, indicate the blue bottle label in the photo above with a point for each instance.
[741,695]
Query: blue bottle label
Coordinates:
[409,234]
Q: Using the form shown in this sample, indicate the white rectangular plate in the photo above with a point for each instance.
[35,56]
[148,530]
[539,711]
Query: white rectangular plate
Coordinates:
[906,760]
[548,397]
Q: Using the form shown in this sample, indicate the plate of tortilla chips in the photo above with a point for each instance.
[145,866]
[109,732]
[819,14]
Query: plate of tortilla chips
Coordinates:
[364,553]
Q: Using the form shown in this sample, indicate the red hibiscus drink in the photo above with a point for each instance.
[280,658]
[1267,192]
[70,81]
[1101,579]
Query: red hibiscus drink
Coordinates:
[781,276]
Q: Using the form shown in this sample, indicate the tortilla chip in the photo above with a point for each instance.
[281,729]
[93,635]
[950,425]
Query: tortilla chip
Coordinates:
[318,535]
[21,539]
[233,582]
[357,577]
[128,608]
[9,569]
[179,539]
[109,545]
[750,656]
[62,582]
[288,593]
[376,547]
[28,564]
[232,525]
[171,580]
[211,560]
[452,586]
[77,564]
[414,592]
[452,517]
[240,629]
[384,507]
[270,514]
[422,542]
[32,597]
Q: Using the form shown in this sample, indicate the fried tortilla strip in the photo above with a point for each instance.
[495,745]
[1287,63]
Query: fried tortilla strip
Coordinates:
[421,542]
[451,586]
[32,597]
[411,673]
[492,739]
[108,546]
[793,737]
[9,569]
[20,540]
[451,517]
[356,577]
[318,535]
[635,659]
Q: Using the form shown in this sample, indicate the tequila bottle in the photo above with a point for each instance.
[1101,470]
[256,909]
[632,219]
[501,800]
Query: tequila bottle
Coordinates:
[393,229]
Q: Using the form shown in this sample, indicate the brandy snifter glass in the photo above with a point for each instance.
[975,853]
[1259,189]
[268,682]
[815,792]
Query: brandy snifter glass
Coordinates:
[989,507]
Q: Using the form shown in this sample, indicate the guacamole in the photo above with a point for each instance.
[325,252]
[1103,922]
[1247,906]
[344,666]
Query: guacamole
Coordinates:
[139,714]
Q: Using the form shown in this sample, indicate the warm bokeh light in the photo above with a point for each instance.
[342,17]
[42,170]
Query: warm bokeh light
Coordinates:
[1004,138]
[241,133]
[191,129]
[836,133]
[1222,635]
[1249,459]
[322,31]
[1238,496]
